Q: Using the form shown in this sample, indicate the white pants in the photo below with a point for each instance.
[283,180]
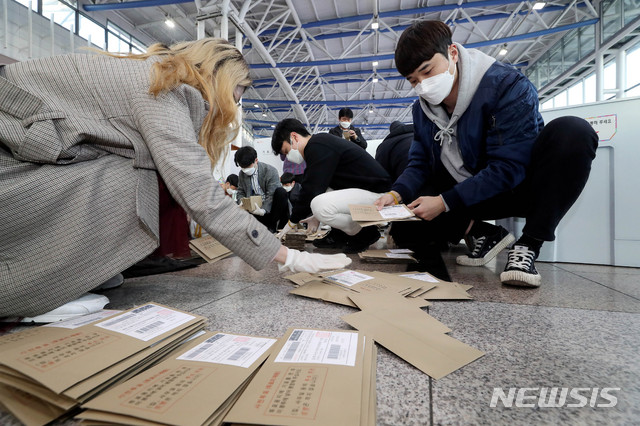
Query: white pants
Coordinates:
[332,208]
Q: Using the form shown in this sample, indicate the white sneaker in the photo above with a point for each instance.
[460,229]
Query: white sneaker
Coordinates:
[112,282]
[86,304]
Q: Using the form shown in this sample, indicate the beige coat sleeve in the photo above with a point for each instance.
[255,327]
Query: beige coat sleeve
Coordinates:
[167,126]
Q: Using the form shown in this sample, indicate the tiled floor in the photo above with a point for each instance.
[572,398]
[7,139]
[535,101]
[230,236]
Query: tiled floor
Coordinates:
[581,329]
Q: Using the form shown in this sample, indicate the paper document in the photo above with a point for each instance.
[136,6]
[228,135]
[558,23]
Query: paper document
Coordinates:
[349,278]
[320,347]
[146,322]
[241,351]
[368,213]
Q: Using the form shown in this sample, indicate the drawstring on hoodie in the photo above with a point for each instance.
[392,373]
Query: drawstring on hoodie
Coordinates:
[446,132]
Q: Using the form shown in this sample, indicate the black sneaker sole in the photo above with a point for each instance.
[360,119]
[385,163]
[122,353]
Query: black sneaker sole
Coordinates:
[466,260]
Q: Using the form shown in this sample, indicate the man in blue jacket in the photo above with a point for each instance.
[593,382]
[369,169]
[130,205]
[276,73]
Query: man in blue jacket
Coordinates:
[482,152]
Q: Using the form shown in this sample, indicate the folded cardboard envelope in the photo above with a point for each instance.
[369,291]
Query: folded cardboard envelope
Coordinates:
[314,377]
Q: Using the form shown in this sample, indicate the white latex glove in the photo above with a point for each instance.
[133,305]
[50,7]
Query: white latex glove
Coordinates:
[288,228]
[312,224]
[301,261]
[258,211]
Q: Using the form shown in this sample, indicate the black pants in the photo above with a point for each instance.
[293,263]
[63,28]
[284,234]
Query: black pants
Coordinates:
[278,217]
[560,166]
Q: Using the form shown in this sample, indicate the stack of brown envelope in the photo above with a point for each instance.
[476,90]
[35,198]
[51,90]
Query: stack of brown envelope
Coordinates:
[387,256]
[196,385]
[46,372]
[410,333]
[209,248]
[295,239]
[313,377]
[337,286]
[440,290]
[320,233]
[251,203]
[369,215]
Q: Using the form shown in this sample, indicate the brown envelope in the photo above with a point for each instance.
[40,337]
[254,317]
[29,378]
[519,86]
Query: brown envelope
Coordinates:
[442,290]
[421,343]
[302,278]
[29,409]
[317,392]
[78,354]
[370,213]
[209,248]
[131,366]
[367,281]
[386,256]
[186,389]
[248,203]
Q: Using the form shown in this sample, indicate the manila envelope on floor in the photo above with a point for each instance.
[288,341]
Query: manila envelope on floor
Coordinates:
[70,358]
[367,281]
[334,293]
[302,278]
[188,388]
[442,290]
[387,256]
[53,330]
[250,203]
[131,366]
[209,248]
[314,377]
[27,408]
[421,343]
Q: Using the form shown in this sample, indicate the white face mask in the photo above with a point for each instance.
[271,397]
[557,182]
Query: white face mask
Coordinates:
[294,155]
[249,171]
[435,89]
[288,188]
[231,191]
[345,124]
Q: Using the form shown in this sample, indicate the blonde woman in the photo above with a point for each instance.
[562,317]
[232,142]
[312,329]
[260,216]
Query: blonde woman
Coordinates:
[84,140]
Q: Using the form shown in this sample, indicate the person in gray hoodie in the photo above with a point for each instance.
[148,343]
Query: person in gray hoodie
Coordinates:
[481,152]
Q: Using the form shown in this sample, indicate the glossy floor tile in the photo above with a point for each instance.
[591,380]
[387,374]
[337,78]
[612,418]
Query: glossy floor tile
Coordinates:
[580,329]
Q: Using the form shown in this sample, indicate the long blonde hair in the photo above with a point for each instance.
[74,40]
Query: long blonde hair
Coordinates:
[215,68]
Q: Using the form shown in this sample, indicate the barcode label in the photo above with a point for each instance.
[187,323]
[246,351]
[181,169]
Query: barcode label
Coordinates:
[236,356]
[192,354]
[320,347]
[334,352]
[229,349]
[150,327]
[291,351]
[147,322]
[117,320]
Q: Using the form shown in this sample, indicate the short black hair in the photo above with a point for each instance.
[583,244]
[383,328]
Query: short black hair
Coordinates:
[419,43]
[245,156]
[232,179]
[345,112]
[287,178]
[283,130]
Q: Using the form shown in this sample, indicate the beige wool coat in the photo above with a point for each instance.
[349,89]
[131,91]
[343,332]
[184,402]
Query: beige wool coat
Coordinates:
[81,141]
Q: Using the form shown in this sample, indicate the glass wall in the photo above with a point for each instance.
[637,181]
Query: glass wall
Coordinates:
[578,44]
[66,14]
